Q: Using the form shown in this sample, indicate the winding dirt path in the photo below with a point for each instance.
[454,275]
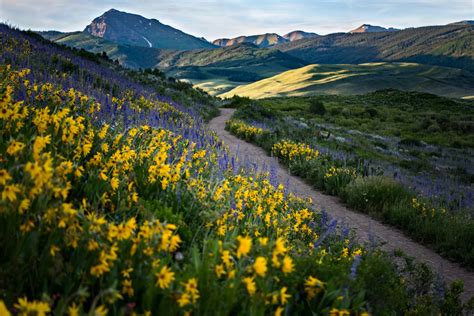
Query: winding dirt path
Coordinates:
[390,237]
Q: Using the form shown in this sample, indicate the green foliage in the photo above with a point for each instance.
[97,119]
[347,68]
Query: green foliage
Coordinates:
[383,278]
[236,102]
[391,113]
[374,194]
[317,107]
[446,45]
[378,196]
[253,112]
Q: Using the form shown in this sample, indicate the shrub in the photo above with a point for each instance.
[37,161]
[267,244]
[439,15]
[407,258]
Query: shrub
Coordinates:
[373,194]
[253,112]
[237,102]
[317,107]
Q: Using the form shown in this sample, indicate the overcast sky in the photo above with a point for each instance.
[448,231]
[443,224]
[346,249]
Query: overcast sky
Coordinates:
[229,18]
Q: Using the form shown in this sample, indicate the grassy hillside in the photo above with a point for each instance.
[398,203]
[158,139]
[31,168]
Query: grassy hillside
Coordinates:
[449,45]
[92,48]
[222,69]
[129,56]
[215,71]
[423,145]
[117,201]
[362,78]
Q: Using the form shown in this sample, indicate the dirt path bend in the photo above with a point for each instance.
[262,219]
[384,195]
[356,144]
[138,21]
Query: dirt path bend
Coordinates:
[361,224]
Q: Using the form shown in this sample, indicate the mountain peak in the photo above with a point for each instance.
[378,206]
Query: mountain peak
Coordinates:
[368,28]
[133,29]
[298,34]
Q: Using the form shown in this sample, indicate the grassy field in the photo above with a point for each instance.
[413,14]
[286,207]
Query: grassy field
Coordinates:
[357,79]
[391,113]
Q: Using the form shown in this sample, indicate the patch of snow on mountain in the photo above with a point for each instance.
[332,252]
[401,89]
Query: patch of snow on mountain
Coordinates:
[146,39]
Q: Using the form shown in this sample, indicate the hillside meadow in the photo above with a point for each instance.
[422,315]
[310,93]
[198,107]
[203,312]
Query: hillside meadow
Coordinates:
[118,200]
[415,173]
[349,79]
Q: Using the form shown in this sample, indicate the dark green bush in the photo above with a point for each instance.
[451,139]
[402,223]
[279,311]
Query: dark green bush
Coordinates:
[373,194]
[317,107]
[253,112]
[237,102]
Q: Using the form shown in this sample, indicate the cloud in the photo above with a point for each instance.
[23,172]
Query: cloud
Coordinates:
[214,18]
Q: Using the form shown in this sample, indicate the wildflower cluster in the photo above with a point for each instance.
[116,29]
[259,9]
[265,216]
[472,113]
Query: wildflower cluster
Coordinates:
[426,210]
[243,130]
[117,202]
[83,193]
[289,150]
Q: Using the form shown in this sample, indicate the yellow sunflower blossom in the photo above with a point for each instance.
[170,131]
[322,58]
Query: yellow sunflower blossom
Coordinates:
[164,278]
[245,244]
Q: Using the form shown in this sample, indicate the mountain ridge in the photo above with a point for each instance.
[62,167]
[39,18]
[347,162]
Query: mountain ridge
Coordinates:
[133,29]
[368,28]
[264,40]
[446,45]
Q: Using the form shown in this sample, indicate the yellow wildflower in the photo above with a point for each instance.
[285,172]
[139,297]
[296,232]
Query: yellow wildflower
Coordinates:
[101,311]
[10,192]
[164,277]
[287,266]
[4,177]
[245,244]
[3,309]
[15,147]
[279,311]
[37,308]
[283,296]
[73,310]
[260,266]
[279,246]
[250,284]
[114,183]
[53,250]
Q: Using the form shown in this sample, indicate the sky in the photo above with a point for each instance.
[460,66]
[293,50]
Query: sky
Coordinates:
[230,18]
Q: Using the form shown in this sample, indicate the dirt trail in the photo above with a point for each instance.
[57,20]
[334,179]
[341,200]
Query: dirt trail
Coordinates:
[361,224]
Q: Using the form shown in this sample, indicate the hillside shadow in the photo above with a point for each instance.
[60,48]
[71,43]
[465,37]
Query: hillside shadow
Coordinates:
[465,63]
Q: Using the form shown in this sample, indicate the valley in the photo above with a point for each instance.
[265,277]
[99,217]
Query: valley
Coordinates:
[434,59]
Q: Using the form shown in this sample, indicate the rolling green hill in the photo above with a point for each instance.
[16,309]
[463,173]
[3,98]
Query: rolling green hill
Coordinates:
[223,69]
[449,45]
[357,79]
[215,71]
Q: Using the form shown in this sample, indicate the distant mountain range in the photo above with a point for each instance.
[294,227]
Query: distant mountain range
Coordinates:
[272,39]
[132,29]
[446,45]
[264,40]
[138,42]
